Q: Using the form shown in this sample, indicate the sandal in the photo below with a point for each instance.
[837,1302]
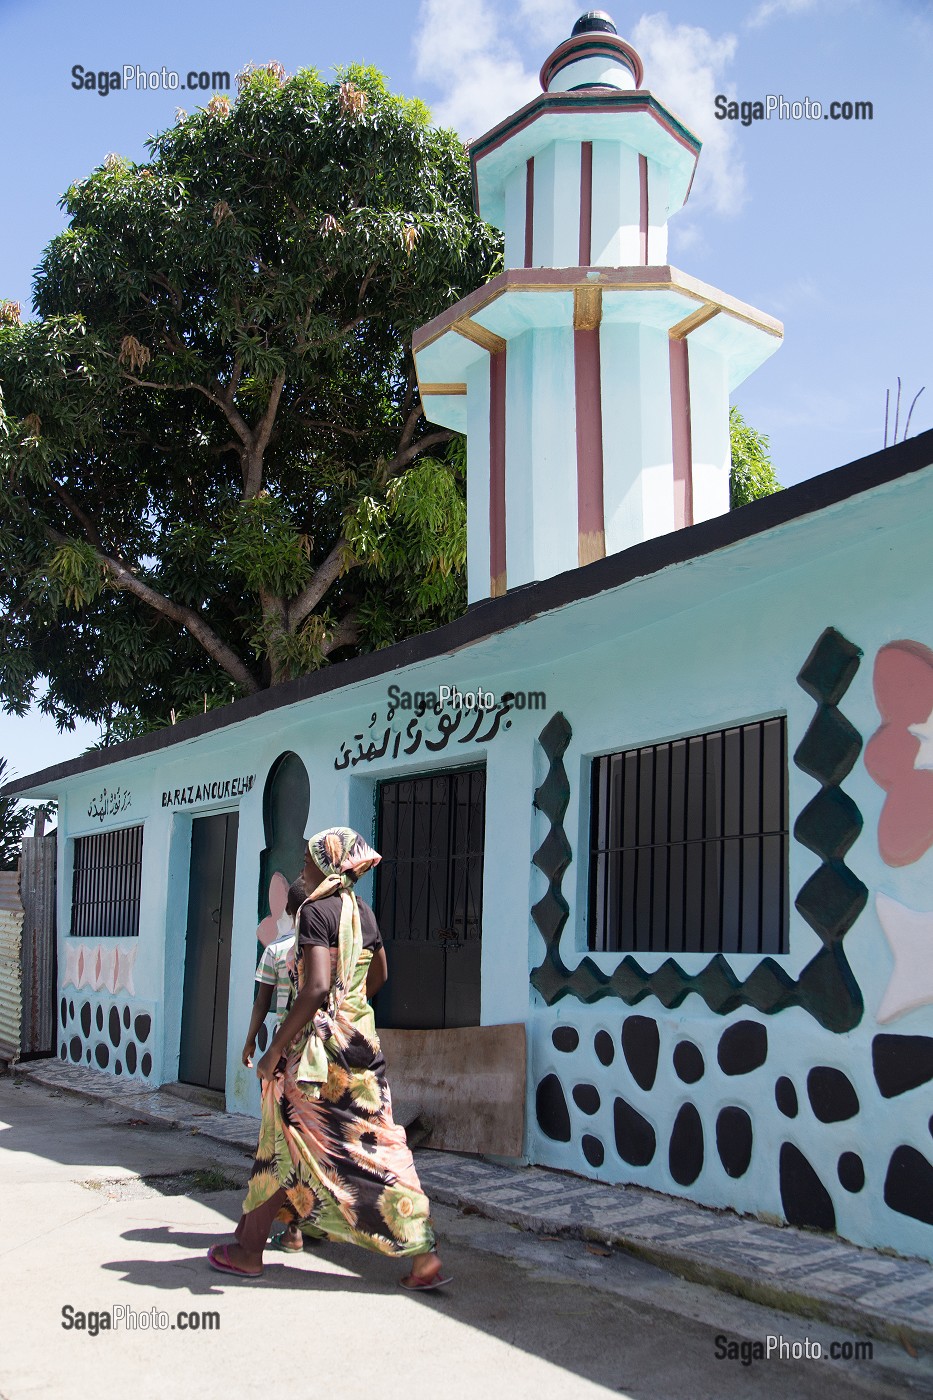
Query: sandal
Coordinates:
[416,1285]
[218,1256]
[278,1242]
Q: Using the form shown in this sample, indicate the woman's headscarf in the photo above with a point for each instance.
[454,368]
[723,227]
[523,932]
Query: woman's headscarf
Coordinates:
[342,856]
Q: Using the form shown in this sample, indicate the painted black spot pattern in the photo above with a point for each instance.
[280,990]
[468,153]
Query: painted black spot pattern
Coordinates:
[605,1050]
[803,1196]
[88,1054]
[143,1025]
[832,1095]
[75,1048]
[688,1062]
[586,1097]
[100,1018]
[908,1186]
[635,1137]
[71,1008]
[685,1155]
[565,1038]
[901,1063]
[63,1052]
[640,1044]
[785,1096]
[734,1140]
[593,1150]
[126,1017]
[145,1064]
[551,1108]
[851,1172]
[114,1026]
[86,1017]
[64,1011]
[117,1067]
[130,1053]
[102,1055]
[742,1048]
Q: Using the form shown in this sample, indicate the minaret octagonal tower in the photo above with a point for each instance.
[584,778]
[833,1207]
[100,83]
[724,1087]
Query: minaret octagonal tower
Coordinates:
[591,378]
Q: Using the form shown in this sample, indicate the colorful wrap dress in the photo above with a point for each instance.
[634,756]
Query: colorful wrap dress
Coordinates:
[327,1137]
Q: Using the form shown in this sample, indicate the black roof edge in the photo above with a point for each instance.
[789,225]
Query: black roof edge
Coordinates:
[491,615]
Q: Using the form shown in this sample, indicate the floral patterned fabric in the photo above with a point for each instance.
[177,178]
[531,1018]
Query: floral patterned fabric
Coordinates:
[327,1135]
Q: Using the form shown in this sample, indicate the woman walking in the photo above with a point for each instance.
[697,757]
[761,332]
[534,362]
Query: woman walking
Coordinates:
[329,1153]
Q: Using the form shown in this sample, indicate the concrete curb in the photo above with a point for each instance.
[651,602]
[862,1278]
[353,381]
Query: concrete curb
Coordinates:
[472,1185]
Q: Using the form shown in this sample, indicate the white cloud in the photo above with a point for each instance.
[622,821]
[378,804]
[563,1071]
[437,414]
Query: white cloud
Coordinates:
[685,69]
[480,58]
[777,9]
[470,50]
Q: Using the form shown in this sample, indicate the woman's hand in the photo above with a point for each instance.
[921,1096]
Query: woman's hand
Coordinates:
[267,1066]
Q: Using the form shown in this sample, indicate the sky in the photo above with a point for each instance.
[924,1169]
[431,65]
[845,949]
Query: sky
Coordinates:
[821,223]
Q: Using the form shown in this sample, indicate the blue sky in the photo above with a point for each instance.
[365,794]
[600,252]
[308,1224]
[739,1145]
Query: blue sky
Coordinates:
[821,223]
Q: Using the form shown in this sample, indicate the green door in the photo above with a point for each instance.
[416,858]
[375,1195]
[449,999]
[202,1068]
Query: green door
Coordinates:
[203,1054]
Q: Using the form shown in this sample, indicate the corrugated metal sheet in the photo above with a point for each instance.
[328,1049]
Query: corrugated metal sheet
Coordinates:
[37,891]
[11,929]
[9,890]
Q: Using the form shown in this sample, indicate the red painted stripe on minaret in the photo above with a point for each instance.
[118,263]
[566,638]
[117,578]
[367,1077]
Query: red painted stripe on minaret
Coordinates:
[681,436]
[590,509]
[586,203]
[529,211]
[497,577]
[643,206]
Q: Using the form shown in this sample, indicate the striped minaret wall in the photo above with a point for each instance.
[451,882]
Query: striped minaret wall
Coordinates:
[591,378]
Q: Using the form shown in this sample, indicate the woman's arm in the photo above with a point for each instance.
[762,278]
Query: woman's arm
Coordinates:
[377,974]
[303,1009]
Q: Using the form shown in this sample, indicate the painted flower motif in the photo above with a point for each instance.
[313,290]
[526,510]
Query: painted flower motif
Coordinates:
[405,1214]
[899,755]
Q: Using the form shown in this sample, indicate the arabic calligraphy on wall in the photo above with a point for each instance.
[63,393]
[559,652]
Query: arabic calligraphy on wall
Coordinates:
[109,802]
[387,737]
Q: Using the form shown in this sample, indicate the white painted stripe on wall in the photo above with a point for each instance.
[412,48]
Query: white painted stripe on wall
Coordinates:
[477,401]
[519,458]
[514,223]
[554,451]
[616,206]
[658,200]
[709,420]
[557,205]
[638,469]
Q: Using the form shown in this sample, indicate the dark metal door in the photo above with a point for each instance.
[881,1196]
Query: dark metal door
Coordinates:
[429,897]
[203,1055]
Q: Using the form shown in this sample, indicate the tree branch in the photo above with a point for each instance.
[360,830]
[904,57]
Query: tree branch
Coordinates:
[336,563]
[122,578]
[344,635]
[402,459]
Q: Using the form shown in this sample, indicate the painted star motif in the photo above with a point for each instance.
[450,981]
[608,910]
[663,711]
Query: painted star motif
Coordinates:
[72,973]
[910,935]
[123,970]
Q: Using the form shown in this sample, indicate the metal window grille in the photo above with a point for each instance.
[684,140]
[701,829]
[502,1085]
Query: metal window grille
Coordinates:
[429,884]
[106,884]
[689,844]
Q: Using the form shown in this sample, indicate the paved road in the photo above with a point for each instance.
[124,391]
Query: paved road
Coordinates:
[527,1318]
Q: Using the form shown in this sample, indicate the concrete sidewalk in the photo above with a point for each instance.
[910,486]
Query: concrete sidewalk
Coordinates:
[813,1275]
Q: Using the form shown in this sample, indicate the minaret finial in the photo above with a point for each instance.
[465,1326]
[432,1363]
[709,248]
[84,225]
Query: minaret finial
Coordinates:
[593,56]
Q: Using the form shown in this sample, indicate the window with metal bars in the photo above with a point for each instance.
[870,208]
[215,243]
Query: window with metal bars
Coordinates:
[688,849]
[106,884]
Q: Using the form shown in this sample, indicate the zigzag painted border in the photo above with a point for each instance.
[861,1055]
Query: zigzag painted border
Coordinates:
[830,900]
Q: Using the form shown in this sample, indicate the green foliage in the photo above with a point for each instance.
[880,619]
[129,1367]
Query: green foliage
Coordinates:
[752,475]
[15,821]
[214,470]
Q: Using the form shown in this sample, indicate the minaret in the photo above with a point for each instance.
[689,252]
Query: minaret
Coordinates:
[591,378]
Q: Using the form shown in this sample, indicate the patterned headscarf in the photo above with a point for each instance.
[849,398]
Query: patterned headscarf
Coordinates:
[342,856]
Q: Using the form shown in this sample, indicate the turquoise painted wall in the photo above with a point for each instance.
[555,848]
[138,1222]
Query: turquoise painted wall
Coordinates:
[714,642]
